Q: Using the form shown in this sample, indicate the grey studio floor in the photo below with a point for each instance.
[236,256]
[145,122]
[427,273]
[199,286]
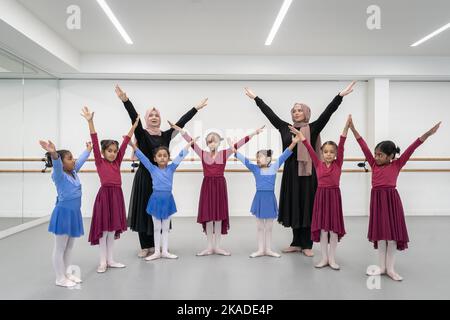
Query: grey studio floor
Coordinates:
[27,271]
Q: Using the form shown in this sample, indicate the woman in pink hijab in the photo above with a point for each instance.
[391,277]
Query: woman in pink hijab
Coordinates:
[299,182]
[148,139]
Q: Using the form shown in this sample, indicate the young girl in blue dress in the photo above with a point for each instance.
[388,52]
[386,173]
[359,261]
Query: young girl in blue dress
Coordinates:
[66,222]
[161,205]
[264,205]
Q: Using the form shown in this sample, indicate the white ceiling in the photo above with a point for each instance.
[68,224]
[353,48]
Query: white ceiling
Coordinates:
[240,27]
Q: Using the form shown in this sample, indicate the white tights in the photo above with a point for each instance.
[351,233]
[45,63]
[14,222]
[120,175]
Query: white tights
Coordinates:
[386,253]
[106,243]
[161,238]
[213,236]
[61,255]
[264,236]
[328,252]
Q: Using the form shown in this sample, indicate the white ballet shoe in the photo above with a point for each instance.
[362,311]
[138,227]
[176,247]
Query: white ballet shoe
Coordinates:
[271,253]
[154,256]
[206,252]
[116,265]
[73,278]
[257,254]
[321,264]
[168,255]
[394,276]
[334,266]
[66,283]
[221,252]
[102,268]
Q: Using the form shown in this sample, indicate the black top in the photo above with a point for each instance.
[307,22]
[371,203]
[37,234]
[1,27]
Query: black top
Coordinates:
[147,142]
[316,127]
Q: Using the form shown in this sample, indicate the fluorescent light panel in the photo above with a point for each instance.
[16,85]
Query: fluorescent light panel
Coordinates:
[276,25]
[115,21]
[431,35]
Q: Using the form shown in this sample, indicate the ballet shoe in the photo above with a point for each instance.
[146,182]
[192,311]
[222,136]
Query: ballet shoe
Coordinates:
[168,255]
[221,252]
[73,278]
[271,253]
[66,283]
[257,254]
[394,276]
[116,265]
[102,268]
[152,257]
[206,252]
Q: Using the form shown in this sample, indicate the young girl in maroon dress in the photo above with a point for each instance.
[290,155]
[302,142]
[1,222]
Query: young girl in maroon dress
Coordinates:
[327,224]
[213,204]
[387,227]
[109,218]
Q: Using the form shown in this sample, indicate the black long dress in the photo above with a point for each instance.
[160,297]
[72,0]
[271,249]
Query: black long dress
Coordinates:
[297,192]
[138,219]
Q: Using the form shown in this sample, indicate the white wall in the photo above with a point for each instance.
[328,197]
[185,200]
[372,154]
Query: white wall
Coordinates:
[230,110]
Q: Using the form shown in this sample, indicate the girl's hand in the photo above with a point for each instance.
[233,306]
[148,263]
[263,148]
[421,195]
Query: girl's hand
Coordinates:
[132,144]
[122,95]
[136,122]
[347,90]
[202,104]
[296,139]
[297,133]
[258,131]
[249,93]
[175,127]
[89,146]
[88,115]
[430,132]
[48,146]
[349,122]
[231,144]
[191,143]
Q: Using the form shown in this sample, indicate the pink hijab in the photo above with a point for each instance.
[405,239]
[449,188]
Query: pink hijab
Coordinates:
[152,129]
[303,157]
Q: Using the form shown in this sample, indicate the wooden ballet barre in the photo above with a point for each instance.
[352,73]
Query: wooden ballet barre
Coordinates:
[227,170]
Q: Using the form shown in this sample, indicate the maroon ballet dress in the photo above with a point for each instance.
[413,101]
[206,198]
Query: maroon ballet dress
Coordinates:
[387,219]
[213,204]
[327,210]
[109,208]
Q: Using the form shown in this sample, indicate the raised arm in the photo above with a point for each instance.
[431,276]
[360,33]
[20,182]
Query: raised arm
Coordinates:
[58,171]
[404,157]
[89,116]
[363,145]
[340,151]
[144,160]
[241,142]
[188,138]
[323,119]
[246,162]
[139,132]
[282,158]
[187,117]
[342,139]
[83,157]
[266,110]
[126,140]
